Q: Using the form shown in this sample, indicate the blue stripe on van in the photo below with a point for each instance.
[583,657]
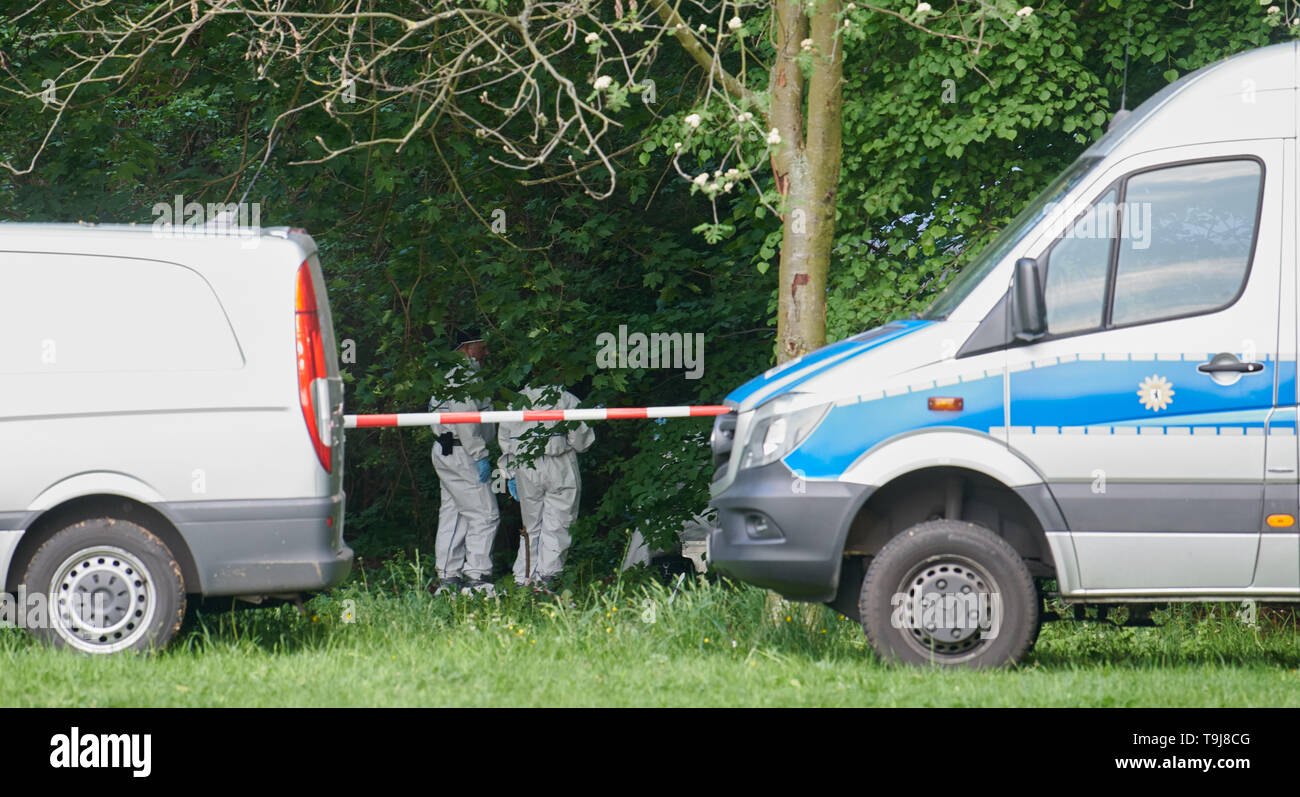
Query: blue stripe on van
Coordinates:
[849,431]
[1105,393]
[1286,383]
[1081,393]
[817,362]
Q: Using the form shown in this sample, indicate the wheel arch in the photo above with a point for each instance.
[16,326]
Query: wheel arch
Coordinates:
[1021,514]
[954,493]
[49,520]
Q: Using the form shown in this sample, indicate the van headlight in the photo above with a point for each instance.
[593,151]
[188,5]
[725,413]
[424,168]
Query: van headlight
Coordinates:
[778,429]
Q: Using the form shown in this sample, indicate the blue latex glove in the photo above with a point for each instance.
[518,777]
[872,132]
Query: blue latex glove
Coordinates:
[484,470]
[514,492]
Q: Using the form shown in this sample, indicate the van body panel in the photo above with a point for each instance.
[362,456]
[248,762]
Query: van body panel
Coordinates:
[1151,430]
[164,370]
[1195,461]
[942,447]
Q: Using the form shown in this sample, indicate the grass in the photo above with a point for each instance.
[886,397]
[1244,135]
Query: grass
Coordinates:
[636,642]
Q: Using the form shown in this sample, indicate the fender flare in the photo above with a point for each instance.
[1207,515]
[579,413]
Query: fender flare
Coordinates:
[981,453]
[97,482]
[944,447]
[59,493]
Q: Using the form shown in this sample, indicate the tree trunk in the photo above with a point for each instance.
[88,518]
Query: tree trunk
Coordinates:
[806,167]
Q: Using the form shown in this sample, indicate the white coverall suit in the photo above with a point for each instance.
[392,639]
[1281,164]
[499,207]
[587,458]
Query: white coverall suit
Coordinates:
[468,517]
[549,489]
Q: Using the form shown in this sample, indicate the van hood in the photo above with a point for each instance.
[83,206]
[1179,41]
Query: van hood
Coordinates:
[796,373]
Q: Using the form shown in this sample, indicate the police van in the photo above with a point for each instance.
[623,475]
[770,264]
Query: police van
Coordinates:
[1105,397]
[171,424]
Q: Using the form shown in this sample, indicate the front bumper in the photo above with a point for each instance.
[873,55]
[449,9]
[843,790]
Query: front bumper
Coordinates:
[266,546]
[784,533]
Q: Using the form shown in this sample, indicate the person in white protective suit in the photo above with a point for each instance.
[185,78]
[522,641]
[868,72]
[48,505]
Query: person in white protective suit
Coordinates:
[467,517]
[548,489]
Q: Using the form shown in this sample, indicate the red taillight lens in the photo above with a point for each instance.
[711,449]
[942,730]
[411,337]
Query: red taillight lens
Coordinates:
[311,364]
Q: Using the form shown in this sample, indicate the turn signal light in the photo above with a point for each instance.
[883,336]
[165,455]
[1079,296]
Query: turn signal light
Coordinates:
[1281,521]
[949,403]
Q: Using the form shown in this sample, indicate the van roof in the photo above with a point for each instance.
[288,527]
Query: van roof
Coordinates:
[1195,103]
[89,235]
[199,231]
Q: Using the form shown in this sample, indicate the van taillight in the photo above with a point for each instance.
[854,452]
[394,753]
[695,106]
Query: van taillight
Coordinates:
[311,366]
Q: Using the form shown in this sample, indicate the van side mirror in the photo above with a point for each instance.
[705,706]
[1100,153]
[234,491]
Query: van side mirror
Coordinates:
[1028,304]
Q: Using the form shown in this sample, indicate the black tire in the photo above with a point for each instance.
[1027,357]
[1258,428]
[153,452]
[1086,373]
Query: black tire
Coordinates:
[917,605]
[132,591]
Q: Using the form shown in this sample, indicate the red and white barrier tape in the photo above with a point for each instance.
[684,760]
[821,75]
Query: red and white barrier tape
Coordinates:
[519,416]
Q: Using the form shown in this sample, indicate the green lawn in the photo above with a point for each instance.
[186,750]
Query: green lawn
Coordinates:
[637,644]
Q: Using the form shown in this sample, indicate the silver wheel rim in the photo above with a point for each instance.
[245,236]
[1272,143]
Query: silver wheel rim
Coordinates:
[102,600]
[963,623]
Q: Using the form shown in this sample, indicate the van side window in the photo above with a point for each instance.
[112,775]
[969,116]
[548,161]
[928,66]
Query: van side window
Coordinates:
[82,313]
[1187,238]
[1077,266]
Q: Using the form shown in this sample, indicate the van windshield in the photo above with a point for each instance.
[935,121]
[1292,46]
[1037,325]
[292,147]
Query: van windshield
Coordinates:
[973,274]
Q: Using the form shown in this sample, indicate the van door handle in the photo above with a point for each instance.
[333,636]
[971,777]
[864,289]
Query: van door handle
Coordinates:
[1232,367]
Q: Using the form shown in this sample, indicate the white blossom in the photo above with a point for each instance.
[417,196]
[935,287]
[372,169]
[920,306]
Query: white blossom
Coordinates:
[744,116]
[1024,12]
[701,178]
[603,82]
[735,23]
[592,37]
[922,8]
[773,137]
[806,44]
[693,120]
[1273,9]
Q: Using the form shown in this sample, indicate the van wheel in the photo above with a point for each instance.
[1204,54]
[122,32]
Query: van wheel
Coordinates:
[950,593]
[108,585]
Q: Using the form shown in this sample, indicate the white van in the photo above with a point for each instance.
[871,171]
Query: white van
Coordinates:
[171,423]
[1105,397]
